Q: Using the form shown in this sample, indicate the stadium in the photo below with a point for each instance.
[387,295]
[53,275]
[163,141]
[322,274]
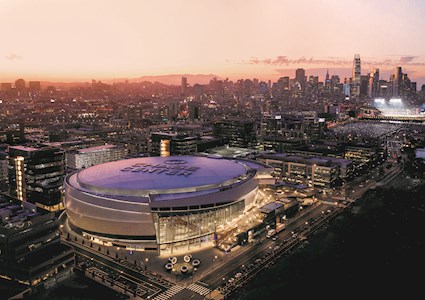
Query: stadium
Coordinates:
[161,203]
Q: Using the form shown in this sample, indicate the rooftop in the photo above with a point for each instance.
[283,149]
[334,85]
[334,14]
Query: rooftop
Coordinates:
[15,215]
[161,173]
[97,148]
[269,207]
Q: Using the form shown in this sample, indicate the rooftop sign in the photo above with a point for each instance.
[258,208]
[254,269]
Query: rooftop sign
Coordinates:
[169,167]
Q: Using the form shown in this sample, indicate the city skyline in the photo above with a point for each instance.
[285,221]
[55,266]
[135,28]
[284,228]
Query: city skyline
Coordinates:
[71,41]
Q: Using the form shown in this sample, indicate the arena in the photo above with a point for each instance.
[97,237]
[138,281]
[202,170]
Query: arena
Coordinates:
[164,204]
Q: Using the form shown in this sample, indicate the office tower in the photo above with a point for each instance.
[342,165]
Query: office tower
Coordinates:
[30,248]
[36,175]
[184,85]
[174,110]
[237,132]
[397,81]
[198,90]
[313,80]
[167,144]
[356,77]
[282,84]
[6,86]
[20,85]
[300,78]
[374,83]
[364,83]
[347,87]
[194,110]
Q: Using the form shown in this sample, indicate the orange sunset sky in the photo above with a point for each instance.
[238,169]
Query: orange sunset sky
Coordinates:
[80,40]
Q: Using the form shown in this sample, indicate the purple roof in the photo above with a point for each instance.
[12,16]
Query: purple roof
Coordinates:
[160,173]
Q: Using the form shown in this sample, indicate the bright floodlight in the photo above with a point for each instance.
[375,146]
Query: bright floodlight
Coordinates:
[395,101]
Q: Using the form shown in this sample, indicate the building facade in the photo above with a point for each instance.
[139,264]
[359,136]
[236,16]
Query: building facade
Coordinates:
[166,144]
[237,132]
[164,204]
[87,157]
[36,175]
[30,248]
[320,172]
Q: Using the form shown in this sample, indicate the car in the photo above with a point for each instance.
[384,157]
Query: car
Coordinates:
[231,280]
[238,275]
[258,260]
[276,248]
[274,238]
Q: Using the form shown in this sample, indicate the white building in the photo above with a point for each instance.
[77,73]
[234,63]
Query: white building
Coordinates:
[87,157]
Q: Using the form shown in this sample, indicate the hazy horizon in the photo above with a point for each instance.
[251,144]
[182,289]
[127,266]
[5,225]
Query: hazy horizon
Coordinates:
[70,41]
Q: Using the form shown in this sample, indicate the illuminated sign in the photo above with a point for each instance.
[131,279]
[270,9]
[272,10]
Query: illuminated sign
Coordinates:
[169,167]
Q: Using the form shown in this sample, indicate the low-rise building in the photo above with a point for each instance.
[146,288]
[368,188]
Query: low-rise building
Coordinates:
[87,157]
[360,155]
[322,172]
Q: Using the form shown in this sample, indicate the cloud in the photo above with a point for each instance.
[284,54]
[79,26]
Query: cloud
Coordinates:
[13,56]
[286,61]
[283,60]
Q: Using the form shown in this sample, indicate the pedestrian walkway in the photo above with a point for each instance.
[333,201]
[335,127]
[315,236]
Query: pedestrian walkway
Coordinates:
[199,289]
[175,289]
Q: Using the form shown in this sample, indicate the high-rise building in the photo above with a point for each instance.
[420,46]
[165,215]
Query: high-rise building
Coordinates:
[184,85]
[327,81]
[300,78]
[347,87]
[20,85]
[194,110]
[198,90]
[374,83]
[167,144]
[34,86]
[364,84]
[356,77]
[6,86]
[36,175]
[397,81]
[237,132]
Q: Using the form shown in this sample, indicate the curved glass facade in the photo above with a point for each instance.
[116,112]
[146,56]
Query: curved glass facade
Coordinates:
[192,229]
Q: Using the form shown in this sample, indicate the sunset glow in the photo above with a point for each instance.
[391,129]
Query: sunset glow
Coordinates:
[80,40]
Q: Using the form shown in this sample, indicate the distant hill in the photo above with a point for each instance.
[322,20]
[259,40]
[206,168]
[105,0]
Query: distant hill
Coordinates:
[173,79]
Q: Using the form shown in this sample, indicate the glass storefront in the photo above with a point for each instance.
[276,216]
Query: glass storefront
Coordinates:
[191,229]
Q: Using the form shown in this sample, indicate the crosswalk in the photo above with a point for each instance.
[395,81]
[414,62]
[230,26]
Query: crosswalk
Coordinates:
[199,289]
[175,289]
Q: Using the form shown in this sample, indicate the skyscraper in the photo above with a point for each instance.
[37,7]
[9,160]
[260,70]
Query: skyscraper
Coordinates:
[20,85]
[184,84]
[237,132]
[356,77]
[300,78]
[397,79]
[374,83]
